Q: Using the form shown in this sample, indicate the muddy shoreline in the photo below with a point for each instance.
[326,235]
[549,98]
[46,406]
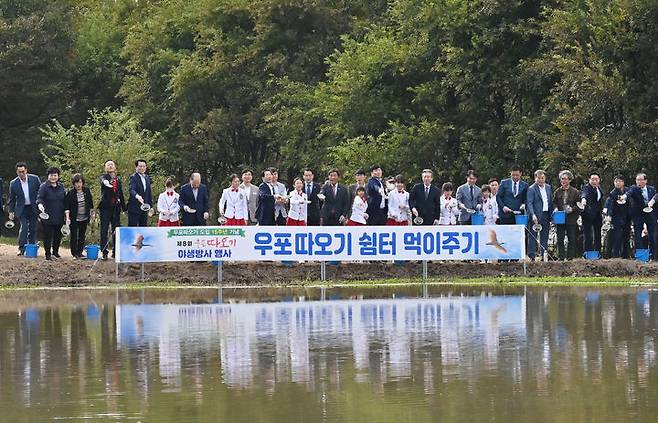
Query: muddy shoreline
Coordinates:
[23,272]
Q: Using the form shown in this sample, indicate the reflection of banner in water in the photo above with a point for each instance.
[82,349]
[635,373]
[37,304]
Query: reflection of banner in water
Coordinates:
[141,245]
[293,330]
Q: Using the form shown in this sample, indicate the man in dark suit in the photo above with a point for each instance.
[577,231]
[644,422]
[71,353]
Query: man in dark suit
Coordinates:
[376,192]
[539,200]
[360,177]
[591,203]
[140,193]
[617,212]
[511,196]
[425,199]
[335,202]
[194,202]
[23,192]
[469,197]
[111,205]
[312,189]
[266,201]
[642,196]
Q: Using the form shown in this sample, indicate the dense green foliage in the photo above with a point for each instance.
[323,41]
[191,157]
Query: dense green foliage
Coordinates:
[446,84]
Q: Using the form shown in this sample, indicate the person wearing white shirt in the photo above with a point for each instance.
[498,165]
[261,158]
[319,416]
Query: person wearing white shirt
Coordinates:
[298,212]
[233,205]
[359,216]
[449,206]
[168,206]
[489,206]
[398,204]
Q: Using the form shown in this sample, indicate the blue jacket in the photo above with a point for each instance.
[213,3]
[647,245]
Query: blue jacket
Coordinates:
[534,202]
[620,213]
[375,198]
[594,206]
[136,187]
[266,203]
[52,199]
[505,196]
[187,199]
[637,200]
[16,197]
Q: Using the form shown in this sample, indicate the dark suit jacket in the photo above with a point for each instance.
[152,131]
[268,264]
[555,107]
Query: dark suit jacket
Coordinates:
[637,200]
[16,197]
[186,198]
[505,197]
[136,187]
[108,193]
[535,204]
[71,203]
[594,207]
[313,209]
[620,213]
[266,203]
[429,209]
[334,207]
[375,198]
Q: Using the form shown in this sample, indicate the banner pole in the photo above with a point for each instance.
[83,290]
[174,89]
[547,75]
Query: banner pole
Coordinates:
[323,271]
[142,272]
[116,271]
[220,272]
[424,270]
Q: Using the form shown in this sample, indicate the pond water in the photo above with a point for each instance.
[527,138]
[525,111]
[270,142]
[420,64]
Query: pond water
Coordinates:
[394,354]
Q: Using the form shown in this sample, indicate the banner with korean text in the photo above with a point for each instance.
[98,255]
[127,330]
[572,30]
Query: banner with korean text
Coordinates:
[319,243]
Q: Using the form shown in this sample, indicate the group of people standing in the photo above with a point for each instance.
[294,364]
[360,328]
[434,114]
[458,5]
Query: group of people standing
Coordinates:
[368,201]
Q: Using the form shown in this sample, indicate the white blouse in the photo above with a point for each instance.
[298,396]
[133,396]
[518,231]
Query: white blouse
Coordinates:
[298,205]
[168,207]
[490,210]
[449,211]
[233,204]
[398,205]
[359,208]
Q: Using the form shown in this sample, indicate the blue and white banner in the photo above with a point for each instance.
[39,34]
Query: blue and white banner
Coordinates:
[319,243]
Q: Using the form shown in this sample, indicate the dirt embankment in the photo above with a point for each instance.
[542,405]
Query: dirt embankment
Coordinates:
[20,271]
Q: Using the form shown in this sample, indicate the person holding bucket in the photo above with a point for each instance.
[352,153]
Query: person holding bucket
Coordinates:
[565,200]
[469,198]
[78,211]
[591,204]
[511,197]
[50,201]
[617,212]
[642,211]
[23,191]
[540,196]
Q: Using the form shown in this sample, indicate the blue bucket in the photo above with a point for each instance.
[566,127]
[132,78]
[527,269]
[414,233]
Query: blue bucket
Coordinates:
[477,219]
[521,219]
[592,255]
[31,250]
[559,217]
[642,255]
[92,251]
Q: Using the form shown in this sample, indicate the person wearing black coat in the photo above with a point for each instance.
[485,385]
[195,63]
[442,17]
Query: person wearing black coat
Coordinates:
[312,189]
[266,201]
[79,211]
[111,205]
[592,200]
[193,200]
[50,200]
[335,207]
[425,199]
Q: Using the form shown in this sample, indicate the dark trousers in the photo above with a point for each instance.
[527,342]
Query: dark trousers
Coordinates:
[619,235]
[466,222]
[377,218]
[280,220]
[331,220]
[592,233]
[507,219]
[138,219]
[543,220]
[638,225]
[52,238]
[571,233]
[110,217]
[78,236]
[27,233]
[193,219]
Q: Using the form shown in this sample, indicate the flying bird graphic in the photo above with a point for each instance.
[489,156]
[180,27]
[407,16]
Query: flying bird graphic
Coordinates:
[138,243]
[493,241]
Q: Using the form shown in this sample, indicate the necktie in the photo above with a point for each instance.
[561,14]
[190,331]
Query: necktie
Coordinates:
[114,190]
[427,192]
[308,190]
[645,194]
[334,190]
[516,189]
[472,198]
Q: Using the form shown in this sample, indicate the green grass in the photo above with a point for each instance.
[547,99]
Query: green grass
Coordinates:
[506,281]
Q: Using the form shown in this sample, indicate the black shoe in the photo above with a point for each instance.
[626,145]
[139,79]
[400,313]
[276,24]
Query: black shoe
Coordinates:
[49,258]
[56,255]
[21,253]
[104,257]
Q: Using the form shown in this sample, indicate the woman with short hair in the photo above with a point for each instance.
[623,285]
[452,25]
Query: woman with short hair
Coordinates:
[79,211]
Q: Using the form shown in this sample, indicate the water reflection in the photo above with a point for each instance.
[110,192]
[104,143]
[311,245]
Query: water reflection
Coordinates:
[472,355]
